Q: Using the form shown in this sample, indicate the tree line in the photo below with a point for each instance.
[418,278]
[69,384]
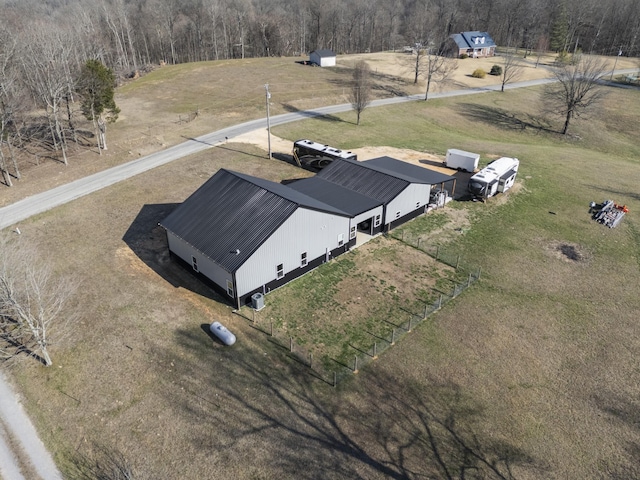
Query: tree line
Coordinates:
[45,44]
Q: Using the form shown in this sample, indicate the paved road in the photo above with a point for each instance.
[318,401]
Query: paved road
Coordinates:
[15,424]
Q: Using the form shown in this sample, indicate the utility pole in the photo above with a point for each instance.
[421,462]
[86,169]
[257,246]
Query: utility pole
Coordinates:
[268,95]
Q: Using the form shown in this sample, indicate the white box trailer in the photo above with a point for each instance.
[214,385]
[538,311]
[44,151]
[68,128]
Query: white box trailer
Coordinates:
[498,176]
[461,160]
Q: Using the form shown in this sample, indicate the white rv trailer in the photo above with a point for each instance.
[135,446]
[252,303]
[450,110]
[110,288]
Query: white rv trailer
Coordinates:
[317,155]
[498,176]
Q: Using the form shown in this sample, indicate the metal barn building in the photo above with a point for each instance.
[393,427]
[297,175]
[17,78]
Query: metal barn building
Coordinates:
[403,189]
[246,235]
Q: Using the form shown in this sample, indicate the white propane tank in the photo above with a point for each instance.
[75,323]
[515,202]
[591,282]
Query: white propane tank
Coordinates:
[222,333]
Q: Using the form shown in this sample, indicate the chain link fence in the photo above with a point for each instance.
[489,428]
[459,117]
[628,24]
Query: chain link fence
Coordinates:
[397,324]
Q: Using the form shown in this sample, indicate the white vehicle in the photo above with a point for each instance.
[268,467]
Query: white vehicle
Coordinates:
[461,160]
[498,176]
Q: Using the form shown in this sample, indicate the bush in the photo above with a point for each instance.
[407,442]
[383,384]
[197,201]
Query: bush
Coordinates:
[563,58]
[478,73]
[463,56]
[496,70]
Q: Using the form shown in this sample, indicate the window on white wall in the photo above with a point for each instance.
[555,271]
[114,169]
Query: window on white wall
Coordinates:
[417,204]
[377,221]
[352,233]
[194,263]
[280,271]
[230,288]
[398,214]
[340,239]
[303,259]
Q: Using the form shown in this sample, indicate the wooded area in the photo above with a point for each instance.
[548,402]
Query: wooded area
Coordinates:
[45,44]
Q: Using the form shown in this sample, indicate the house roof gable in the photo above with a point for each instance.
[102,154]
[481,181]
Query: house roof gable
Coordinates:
[473,39]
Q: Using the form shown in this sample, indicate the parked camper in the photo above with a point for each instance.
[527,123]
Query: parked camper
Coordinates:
[461,160]
[498,176]
[316,155]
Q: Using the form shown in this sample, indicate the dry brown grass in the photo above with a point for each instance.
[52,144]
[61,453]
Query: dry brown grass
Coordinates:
[531,374]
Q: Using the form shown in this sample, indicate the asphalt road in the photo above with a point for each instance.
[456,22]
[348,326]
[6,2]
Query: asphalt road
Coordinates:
[15,424]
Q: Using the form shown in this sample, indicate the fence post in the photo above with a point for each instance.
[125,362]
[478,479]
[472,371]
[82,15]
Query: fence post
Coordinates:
[310,360]
[437,251]
[426,309]
[291,344]
[419,243]
[410,318]
[271,328]
[393,336]
[440,302]
[375,350]
[335,379]
[403,235]
[469,282]
[355,364]
[479,272]
[253,315]
[457,262]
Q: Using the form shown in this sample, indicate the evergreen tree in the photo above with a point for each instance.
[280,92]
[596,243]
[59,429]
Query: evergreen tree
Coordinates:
[559,31]
[97,87]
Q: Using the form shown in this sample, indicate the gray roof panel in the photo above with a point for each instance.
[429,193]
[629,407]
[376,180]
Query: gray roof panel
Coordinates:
[407,171]
[227,214]
[340,197]
[356,176]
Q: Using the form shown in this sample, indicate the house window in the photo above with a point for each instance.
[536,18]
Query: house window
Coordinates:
[398,213]
[352,233]
[303,259]
[280,271]
[340,240]
[230,288]
[418,205]
[377,221]
[194,263]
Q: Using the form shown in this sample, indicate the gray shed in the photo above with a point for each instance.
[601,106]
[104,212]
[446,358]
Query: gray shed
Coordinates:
[323,58]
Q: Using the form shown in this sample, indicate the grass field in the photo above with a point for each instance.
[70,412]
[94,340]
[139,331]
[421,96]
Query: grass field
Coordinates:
[530,374]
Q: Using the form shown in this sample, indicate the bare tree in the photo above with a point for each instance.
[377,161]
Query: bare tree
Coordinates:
[438,69]
[577,88]
[360,94]
[511,68]
[31,302]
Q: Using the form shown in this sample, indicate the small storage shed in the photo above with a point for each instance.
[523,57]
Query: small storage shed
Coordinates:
[323,58]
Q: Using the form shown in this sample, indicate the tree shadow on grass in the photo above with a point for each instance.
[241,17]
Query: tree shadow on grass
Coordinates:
[612,191]
[325,117]
[376,426]
[505,119]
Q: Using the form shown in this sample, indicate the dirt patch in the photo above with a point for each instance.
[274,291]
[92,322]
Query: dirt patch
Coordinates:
[567,251]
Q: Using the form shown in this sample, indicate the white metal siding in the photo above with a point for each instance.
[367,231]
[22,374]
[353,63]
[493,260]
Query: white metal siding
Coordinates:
[205,266]
[413,197]
[305,231]
[367,215]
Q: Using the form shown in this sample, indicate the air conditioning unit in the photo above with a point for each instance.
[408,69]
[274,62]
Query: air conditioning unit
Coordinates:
[257,301]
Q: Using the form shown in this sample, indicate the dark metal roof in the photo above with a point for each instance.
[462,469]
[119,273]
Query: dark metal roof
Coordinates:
[324,53]
[340,197]
[407,171]
[469,39]
[360,178]
[232,214]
